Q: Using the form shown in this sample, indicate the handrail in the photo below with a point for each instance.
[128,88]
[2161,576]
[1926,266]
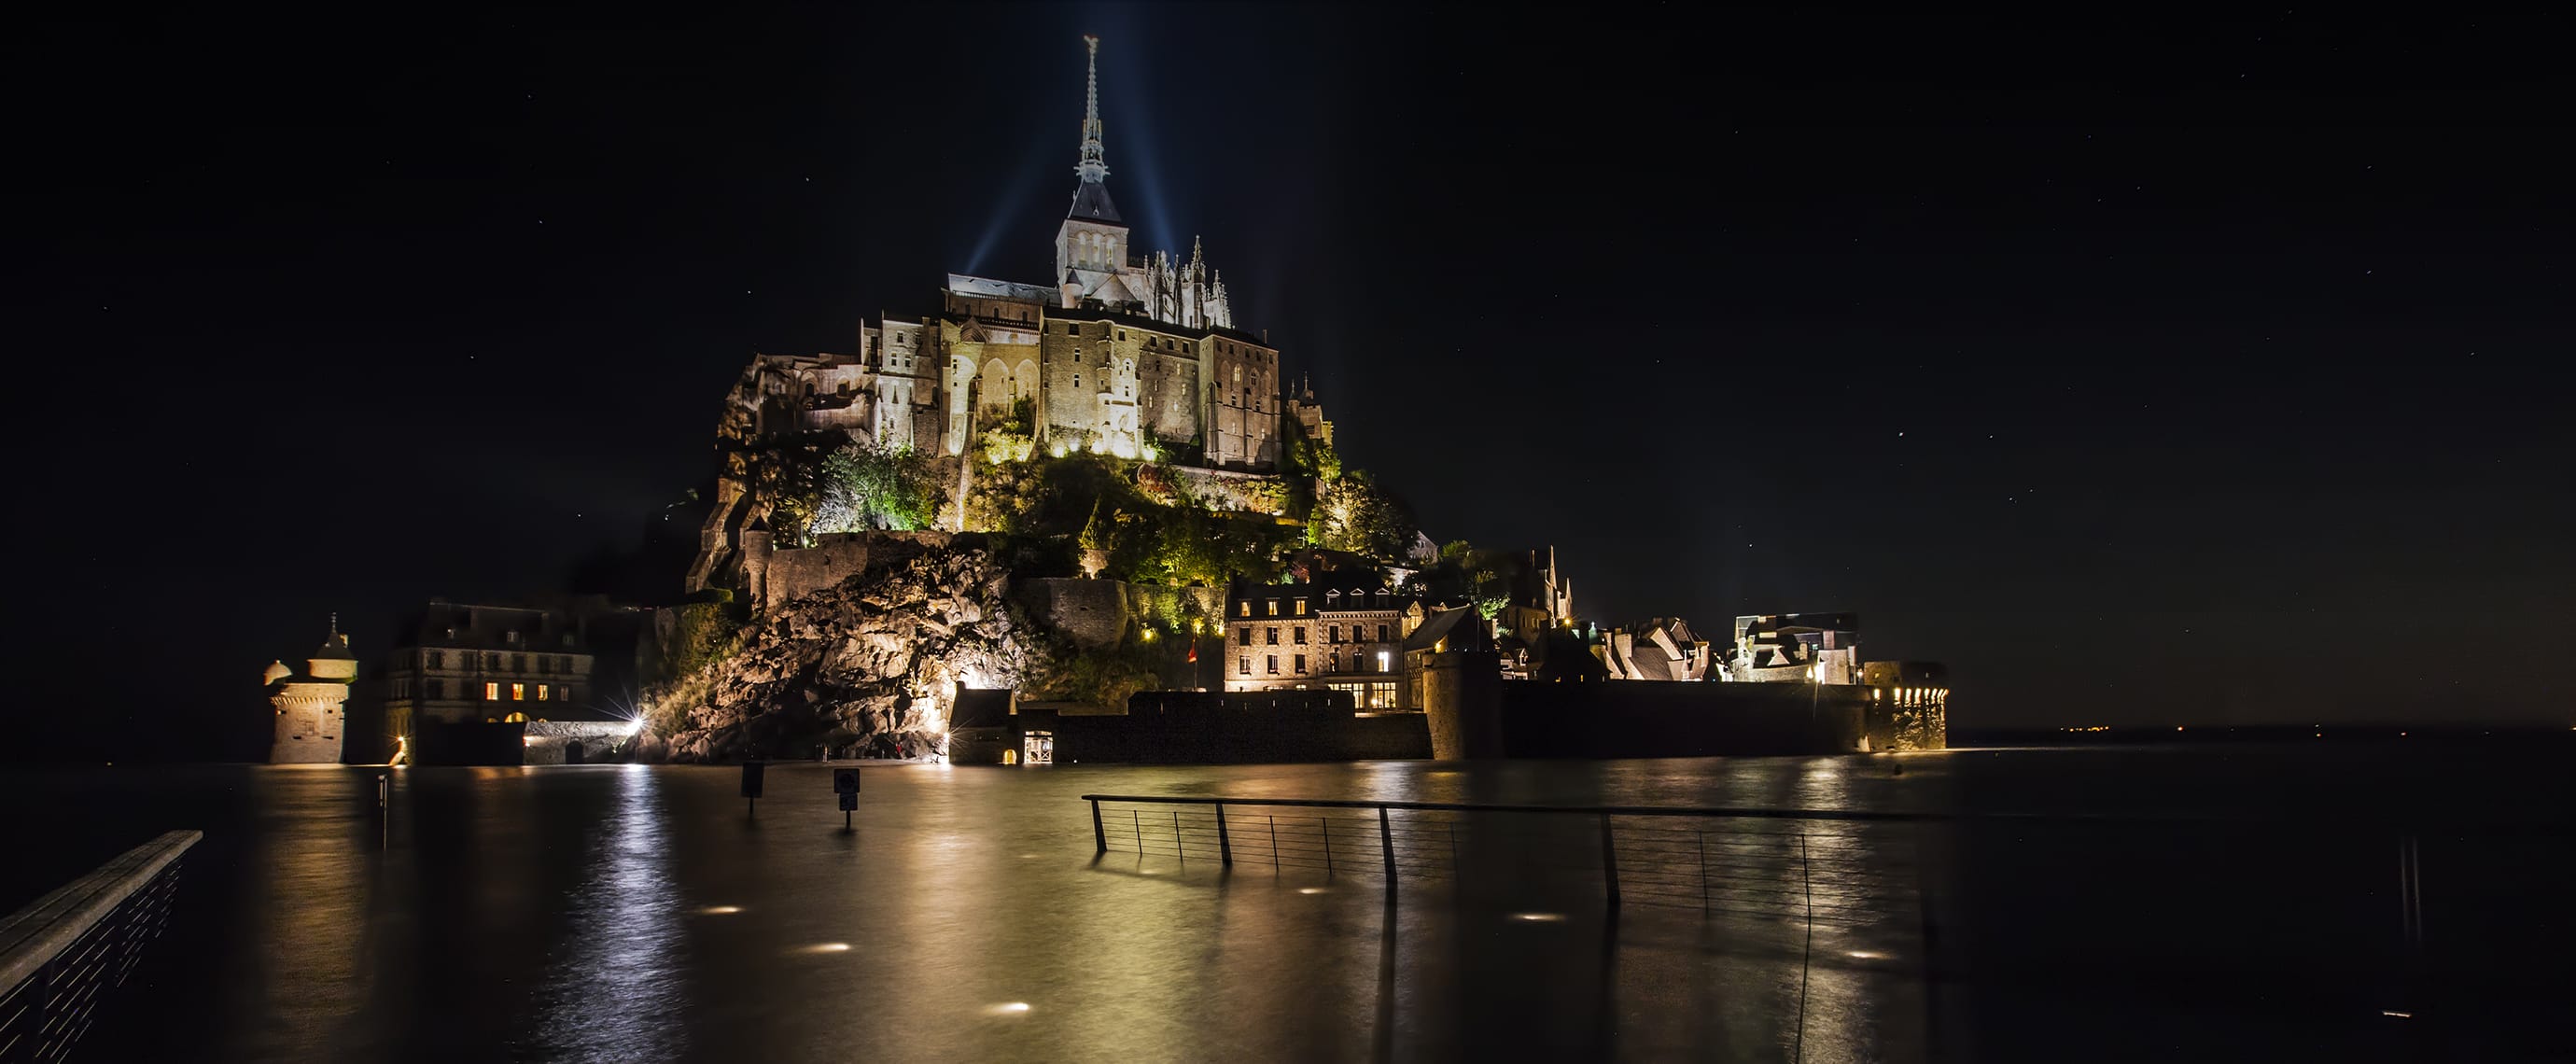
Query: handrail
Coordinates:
[2373,823]
[35,935]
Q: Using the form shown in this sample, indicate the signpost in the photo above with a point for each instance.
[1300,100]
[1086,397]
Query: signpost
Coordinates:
[845,782]
[751,771]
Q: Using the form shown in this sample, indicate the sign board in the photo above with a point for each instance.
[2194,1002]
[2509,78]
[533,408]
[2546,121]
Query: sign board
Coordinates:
[751,771]
[845,781]
[849,801]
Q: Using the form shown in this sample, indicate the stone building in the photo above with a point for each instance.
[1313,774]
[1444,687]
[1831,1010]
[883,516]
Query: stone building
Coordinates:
[1664,648]
[1320,636]
[311,705]
[1118,352]
[1796,648]
[465,664]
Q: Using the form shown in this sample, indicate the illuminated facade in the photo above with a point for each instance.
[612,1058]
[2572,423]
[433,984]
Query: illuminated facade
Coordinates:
[465,664]
[1306,636]
[1118,352]
[312,705]
[1796,648]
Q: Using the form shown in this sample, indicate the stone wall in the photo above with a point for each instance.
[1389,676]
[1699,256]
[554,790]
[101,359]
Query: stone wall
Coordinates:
[793,574]
[577,742]
[1226,490]
[1096,613]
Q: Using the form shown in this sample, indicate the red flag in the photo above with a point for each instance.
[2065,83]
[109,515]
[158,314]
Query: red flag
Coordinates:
[1194,650]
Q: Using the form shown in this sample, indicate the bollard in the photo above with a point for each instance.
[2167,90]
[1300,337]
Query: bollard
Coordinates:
[751,773]
[1609,861]
[845,782]
[1099,838]
[1224,844]
[1386,845]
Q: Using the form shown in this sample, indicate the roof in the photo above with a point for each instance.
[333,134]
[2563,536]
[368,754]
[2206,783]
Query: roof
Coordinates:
[1091,203]
[966,285]
[335,648]
[1462,621]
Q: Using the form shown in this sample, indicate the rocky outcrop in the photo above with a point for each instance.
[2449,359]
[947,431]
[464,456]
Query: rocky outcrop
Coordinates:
[867,666]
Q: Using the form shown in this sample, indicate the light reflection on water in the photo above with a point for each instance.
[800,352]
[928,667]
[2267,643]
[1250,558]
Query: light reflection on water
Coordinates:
[617,993]
[620,913]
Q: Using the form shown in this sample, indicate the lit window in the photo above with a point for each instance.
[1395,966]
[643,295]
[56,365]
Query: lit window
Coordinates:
[518,692]
[491,692]
[1243,609]
[541,692]
[1301,607]
[1381,661]
[515,718]
[1273,605]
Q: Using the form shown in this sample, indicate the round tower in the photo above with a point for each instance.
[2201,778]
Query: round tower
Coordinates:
[310,705]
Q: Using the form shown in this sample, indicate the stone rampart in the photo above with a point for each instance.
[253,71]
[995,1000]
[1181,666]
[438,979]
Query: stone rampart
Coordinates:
[801,571]
[1097,613]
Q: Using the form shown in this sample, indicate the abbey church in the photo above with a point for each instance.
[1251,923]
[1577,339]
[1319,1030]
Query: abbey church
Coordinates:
[1119,352]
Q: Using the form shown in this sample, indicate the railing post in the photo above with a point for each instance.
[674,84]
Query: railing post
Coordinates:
[1609,861]
[1274,843]
[1136,823]
[1099,838]
[1178,850]
[1224,842]
[1386,845]
[1703,870]
[1326,823]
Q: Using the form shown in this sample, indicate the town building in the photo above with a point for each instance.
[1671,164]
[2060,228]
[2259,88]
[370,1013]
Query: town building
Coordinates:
[460,663]
[1663,648]
[1796,648]
[1341,636]
[312,705]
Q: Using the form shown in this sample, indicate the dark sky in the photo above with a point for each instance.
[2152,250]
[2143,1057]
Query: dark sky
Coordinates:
[2146,371]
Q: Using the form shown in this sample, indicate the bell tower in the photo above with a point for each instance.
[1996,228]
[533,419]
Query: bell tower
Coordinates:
[1091,246]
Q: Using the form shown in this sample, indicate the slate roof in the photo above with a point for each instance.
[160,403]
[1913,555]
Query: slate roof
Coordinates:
[1091,203]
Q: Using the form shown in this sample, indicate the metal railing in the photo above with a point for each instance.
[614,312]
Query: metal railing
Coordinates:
[60,956]
[1965,895]
[1832,866]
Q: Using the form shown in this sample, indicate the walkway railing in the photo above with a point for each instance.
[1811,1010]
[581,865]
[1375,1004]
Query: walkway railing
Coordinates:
[60,956]
[1839,866]
[1956,893]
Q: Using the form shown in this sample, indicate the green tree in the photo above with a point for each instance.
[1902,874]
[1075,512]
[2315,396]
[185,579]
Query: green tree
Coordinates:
[863,486]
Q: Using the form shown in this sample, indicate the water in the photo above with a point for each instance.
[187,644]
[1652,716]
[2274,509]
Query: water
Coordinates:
[618,913]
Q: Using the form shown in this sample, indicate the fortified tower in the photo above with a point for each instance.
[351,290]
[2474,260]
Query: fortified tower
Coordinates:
[310,704]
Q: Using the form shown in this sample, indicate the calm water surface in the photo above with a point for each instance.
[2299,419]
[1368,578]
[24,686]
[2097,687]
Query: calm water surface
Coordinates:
[618,913]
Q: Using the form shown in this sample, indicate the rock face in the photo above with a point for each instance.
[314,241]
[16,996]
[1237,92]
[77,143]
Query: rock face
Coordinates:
[868,666]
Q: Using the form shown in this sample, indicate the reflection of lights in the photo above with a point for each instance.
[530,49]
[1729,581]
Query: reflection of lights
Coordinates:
[1007,1008]
[1540,918]
[2399,1015]
[1028,857]
[827,947]
[1310,890]
[1862,954]
[721,910]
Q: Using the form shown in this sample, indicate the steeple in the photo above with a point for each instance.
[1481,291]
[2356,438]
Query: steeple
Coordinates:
[1091,198]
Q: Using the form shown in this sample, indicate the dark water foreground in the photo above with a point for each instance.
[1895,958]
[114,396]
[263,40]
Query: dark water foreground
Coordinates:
[633,914]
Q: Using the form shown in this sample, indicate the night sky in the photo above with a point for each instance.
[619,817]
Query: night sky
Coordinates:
[2146,372]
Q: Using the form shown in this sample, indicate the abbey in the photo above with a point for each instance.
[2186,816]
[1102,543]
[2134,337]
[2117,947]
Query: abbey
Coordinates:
[1118,353]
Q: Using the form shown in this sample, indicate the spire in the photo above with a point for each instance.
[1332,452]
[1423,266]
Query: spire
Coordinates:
[1094,166]
[1091,197]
